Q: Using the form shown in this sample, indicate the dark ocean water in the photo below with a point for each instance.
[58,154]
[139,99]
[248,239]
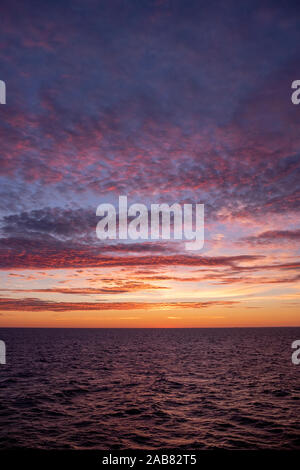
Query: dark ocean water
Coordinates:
[150,389]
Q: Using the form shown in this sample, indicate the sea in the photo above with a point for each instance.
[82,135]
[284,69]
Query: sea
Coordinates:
[106,389]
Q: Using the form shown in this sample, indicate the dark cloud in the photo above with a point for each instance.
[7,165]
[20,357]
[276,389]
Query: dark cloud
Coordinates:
[53,254]
[36,305]
[274,236]
[117,287]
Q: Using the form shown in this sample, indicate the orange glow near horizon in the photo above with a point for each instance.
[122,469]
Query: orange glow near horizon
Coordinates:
[155,318]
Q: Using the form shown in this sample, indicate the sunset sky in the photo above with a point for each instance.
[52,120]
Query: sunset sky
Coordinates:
[163,101]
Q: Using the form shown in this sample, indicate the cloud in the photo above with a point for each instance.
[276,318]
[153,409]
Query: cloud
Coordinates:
[37,305]
[53,254]
[141,119]
[273,236]
[117,287]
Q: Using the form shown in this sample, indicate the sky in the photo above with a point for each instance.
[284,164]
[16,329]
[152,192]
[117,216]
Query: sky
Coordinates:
[163,101]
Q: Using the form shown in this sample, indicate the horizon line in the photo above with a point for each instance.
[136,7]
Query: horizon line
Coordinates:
[143,328]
